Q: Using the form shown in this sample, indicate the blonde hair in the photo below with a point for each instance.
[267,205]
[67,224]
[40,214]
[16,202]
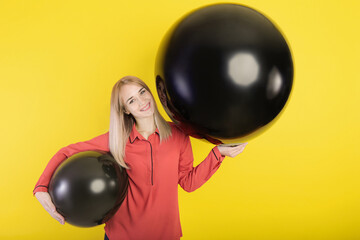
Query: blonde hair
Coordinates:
[121,124]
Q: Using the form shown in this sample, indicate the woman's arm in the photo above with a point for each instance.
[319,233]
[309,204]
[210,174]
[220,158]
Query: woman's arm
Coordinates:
[99,143]
[190,177]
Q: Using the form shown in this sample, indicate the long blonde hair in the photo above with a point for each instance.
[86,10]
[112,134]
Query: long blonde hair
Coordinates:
[121,124]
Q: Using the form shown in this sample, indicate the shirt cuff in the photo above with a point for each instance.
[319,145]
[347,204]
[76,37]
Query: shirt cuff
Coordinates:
[217,154]
[40,189]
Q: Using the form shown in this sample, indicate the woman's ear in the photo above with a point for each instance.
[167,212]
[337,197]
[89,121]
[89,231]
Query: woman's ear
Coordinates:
[126,111]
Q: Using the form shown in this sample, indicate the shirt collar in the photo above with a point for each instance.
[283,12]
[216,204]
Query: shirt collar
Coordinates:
[135,134]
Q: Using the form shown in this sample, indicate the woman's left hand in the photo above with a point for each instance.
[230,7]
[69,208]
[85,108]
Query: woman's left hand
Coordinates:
[232,151]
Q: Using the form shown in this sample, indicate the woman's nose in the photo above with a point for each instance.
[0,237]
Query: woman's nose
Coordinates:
[141,101]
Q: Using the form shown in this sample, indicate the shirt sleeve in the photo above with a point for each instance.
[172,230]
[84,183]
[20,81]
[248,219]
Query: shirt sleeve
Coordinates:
[99,143]
[190,177]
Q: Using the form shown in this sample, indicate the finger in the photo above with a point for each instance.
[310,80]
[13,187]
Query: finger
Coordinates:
[243,144]
[240,146]
[237,145]
[240,150]
[59,217]
[53,212]
[237,152]
[50,206]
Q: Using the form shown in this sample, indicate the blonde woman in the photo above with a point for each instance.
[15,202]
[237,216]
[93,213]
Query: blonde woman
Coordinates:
[157,156]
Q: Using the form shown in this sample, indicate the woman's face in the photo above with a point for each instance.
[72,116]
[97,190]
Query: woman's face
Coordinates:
[137,101]
[162,93]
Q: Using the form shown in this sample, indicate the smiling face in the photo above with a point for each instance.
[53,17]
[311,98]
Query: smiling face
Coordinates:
[137,101]
[161,92]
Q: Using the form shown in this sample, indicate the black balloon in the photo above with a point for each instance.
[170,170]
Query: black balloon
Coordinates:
[223,73]
[88,188]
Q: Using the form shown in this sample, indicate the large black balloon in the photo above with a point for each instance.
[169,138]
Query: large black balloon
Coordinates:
[88,188]
[224,72]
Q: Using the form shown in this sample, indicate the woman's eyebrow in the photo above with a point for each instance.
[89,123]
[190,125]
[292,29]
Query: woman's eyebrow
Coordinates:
[132,96]
[129,99]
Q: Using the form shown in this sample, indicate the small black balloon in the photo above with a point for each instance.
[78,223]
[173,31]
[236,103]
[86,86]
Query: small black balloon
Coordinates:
[223,73]
[88,188]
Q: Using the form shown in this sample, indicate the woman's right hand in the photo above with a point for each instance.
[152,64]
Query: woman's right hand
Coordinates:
[45,200]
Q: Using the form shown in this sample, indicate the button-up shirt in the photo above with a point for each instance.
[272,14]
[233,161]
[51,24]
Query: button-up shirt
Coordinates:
[150,210]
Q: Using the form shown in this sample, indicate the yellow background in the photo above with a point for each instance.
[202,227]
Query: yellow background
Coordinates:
[298,180]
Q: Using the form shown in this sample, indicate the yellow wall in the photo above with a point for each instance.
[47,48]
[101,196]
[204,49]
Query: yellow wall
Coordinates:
[299,180]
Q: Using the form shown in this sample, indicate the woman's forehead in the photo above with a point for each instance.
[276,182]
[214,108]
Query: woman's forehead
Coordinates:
[130,89]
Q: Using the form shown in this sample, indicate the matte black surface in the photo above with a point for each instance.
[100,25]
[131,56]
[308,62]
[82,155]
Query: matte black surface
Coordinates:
[223,72]
[88,188]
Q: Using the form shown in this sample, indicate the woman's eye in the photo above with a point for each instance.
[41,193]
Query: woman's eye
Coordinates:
[143,91]
[131,101]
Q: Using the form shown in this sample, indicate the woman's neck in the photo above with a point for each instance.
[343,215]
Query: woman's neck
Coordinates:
[145,126]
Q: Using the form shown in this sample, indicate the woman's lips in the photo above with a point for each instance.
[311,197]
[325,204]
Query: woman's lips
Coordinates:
[147,107]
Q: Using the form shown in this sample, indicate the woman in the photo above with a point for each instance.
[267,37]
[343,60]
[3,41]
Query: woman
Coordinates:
[157,156]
